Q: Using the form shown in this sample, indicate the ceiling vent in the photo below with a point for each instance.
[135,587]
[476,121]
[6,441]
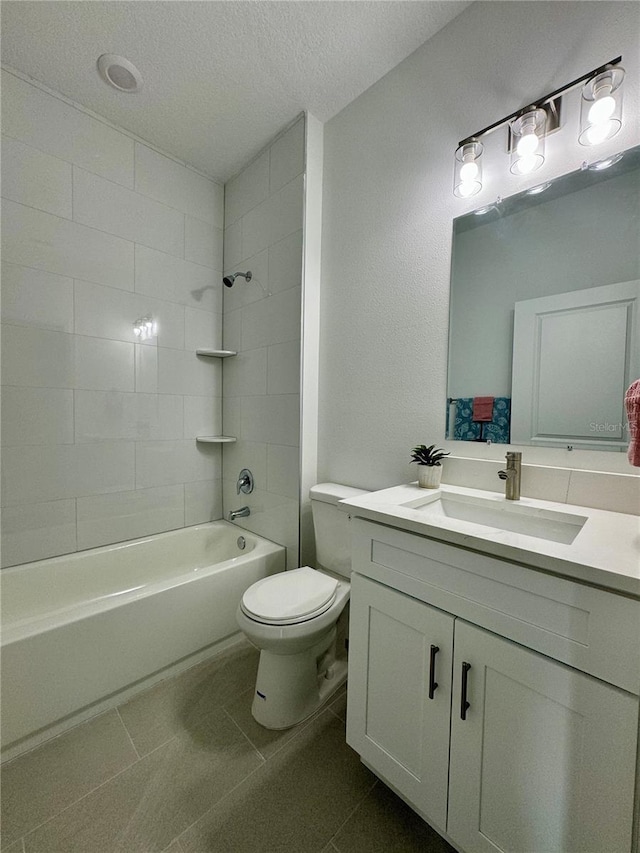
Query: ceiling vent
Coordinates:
[119,73]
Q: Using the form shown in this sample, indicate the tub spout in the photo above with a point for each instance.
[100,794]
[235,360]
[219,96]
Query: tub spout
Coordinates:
[243,512]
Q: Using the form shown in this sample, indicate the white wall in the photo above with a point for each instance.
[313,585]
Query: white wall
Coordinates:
[98,431]
[388,208]
[262,318]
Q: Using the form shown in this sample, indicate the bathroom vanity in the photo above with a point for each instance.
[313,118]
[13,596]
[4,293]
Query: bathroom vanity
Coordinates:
[494,666]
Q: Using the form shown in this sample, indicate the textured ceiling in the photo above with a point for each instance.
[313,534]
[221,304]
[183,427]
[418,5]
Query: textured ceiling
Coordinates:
[221,78]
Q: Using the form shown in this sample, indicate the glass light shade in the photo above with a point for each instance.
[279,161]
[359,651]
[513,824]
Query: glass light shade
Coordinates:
[527,141]
[467,177]
[601,107]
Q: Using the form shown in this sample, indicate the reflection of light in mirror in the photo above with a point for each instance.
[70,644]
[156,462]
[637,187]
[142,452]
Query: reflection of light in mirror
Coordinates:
[145,328]
[539,189]
[606,163]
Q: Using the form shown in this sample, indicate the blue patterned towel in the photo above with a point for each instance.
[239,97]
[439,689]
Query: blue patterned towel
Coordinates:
[465,429]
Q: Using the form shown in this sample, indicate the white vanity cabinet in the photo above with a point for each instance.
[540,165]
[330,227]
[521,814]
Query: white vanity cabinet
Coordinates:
[544,760]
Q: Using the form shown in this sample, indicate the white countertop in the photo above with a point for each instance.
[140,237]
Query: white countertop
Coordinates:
[606,551]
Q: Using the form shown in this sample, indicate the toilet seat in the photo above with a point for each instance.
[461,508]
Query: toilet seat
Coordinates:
[290,597]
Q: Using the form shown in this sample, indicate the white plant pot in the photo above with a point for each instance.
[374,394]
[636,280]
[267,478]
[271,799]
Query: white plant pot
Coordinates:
[429,476]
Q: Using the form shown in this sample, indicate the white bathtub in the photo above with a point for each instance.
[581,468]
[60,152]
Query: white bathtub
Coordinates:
[83,627]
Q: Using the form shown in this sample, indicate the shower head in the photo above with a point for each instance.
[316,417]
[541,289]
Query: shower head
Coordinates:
[229,279]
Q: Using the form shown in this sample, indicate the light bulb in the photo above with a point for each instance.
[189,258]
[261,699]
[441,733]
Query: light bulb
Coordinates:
[527,164]
[468,188]
[468,172]
[527,144]
[599,132]
[601,110]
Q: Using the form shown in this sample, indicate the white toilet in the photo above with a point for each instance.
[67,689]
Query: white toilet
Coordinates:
[291,617]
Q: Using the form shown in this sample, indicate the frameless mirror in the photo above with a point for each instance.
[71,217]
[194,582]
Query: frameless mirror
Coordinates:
[544,327]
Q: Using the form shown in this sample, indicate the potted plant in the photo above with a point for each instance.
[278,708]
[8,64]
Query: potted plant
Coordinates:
[429,465]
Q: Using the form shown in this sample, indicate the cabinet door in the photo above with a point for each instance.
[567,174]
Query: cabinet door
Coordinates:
[391,721]
[544,761]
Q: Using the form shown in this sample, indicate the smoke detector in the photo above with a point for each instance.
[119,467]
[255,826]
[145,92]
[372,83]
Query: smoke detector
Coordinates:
[119,73]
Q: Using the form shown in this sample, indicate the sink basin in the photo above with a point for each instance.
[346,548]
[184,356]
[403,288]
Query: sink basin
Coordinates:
[502,515]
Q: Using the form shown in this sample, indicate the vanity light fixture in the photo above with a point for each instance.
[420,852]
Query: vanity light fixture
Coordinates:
[601,118]
[467,179]
[601,106]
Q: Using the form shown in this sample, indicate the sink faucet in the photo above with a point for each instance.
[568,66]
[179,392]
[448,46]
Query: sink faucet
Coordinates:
[243,512]
[512,475]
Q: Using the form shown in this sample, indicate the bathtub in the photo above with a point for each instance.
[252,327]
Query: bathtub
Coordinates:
[84,627]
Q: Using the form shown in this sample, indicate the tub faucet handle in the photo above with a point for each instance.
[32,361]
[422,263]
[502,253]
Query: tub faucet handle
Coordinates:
[245,482]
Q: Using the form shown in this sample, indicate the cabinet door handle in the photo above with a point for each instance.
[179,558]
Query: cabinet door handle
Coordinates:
[433,684]
[464,705]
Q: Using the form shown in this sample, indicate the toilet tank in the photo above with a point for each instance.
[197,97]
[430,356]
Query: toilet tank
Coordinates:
[331,526]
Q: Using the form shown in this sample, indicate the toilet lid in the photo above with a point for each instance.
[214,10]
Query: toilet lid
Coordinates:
[290,596]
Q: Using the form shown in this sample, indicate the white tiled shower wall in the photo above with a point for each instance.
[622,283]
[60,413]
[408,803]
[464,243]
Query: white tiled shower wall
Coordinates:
[98,431]
[262,321]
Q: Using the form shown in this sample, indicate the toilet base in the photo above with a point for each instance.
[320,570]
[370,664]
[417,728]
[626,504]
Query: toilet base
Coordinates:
[290,688]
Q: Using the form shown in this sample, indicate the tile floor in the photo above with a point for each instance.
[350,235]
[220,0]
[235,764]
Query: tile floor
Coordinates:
[184,768]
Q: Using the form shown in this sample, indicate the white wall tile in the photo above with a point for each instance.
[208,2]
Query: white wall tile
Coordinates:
[614,492]
[283,368]
[37,358]
[36,239]
[47,473]
[146,369]
[32,297]
[232,416]
[285,263]
[111,416]
[103,365]
[287,157]
[277,217]
[246,373]
[174,279]
[232,330]
[181,372]
[202,501]
[233,245]
[107,313]
[112,208]
[203,244]
[283,470]
[275,419]
[38,530]
[202,416]
[31,177]
[129,515]
[51,125]
[37,416]
[175,185]
[202,329]
[275,320]
[247,189]
[162,463]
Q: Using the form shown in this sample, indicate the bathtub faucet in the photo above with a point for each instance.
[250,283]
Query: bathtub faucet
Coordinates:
[243,512]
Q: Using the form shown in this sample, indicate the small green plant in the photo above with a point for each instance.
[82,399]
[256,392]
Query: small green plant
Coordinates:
[430,456]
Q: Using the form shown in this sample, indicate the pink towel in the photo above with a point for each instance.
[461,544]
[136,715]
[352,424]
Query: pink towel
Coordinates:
[482,409]
[632,405]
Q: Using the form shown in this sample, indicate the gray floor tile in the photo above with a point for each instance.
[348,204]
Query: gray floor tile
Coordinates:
[38,785]
[339,704]
[384,823]
[172,706]
[14,848]
[174,847]
[149,804]
[266,741]
[294,803]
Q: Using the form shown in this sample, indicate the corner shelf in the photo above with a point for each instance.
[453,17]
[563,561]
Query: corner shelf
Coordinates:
[216,353]
[216,439]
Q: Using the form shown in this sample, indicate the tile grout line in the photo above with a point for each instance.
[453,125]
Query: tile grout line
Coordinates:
[128,733]
[244,734]
[248,776]
[97,788]
[350,815]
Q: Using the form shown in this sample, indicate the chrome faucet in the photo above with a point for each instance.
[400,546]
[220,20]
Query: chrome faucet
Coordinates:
[512,475]
[245,482]
[243,512]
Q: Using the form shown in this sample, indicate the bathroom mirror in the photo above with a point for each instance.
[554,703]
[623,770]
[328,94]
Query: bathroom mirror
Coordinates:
[545,298]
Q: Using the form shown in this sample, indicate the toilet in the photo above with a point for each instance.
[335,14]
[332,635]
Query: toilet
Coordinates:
[291,617]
